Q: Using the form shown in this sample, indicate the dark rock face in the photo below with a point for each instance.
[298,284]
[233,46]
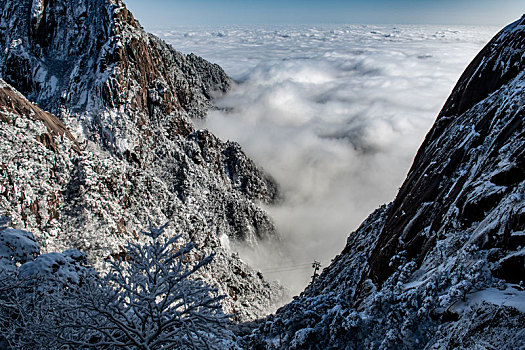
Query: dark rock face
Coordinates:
[498,63]
[442,266]
[117,147]
[462,148]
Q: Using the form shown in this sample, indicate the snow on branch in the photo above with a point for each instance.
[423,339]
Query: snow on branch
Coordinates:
[150,299]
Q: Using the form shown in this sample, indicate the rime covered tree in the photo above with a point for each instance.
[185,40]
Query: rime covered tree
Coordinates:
[149,299]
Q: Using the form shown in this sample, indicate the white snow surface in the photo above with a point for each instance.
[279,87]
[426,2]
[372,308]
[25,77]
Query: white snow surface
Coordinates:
[508,296]
[334,113]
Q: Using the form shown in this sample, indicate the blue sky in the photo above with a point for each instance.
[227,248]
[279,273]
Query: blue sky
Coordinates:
[169,13]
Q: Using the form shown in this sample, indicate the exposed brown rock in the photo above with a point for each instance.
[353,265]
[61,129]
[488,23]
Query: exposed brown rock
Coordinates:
[11,102]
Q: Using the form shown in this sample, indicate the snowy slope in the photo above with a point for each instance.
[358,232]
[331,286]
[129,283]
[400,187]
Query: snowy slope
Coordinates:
[442,266]
[123,150]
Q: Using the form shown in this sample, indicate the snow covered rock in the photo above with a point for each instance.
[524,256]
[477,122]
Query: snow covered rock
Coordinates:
[93,65]
[442,266]
[117,147]
[17,247]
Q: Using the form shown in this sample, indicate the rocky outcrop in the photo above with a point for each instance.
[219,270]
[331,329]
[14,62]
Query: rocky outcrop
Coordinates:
[117,147]
[442,266]
[14,104]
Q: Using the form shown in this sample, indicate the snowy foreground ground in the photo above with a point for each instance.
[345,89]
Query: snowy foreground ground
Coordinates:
[335,114]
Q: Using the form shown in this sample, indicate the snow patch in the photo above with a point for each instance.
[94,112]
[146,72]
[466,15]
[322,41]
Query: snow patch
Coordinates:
[53,82]
[37,8]
[509,296]
[225,241]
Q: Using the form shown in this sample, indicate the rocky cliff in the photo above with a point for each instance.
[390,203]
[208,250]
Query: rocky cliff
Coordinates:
[442,266]
[117,147]
[91,64]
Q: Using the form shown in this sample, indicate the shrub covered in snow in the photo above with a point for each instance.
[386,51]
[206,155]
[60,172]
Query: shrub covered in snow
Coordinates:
[149,299]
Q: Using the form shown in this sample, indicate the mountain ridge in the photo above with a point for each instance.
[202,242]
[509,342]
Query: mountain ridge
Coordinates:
[124,101]
[469,91]
[86,62]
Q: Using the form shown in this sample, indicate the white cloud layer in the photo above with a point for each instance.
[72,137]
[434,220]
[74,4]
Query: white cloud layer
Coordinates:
[335,115]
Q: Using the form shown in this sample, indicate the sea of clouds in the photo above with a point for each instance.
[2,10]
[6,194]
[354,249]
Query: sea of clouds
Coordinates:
[335,114]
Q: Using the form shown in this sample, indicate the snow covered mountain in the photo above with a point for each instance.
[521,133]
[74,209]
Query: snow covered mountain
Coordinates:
[443,265]
[117,147]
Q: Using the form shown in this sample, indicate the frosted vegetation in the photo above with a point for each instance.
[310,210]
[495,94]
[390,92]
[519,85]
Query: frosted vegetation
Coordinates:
[147,300]
[123,99]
